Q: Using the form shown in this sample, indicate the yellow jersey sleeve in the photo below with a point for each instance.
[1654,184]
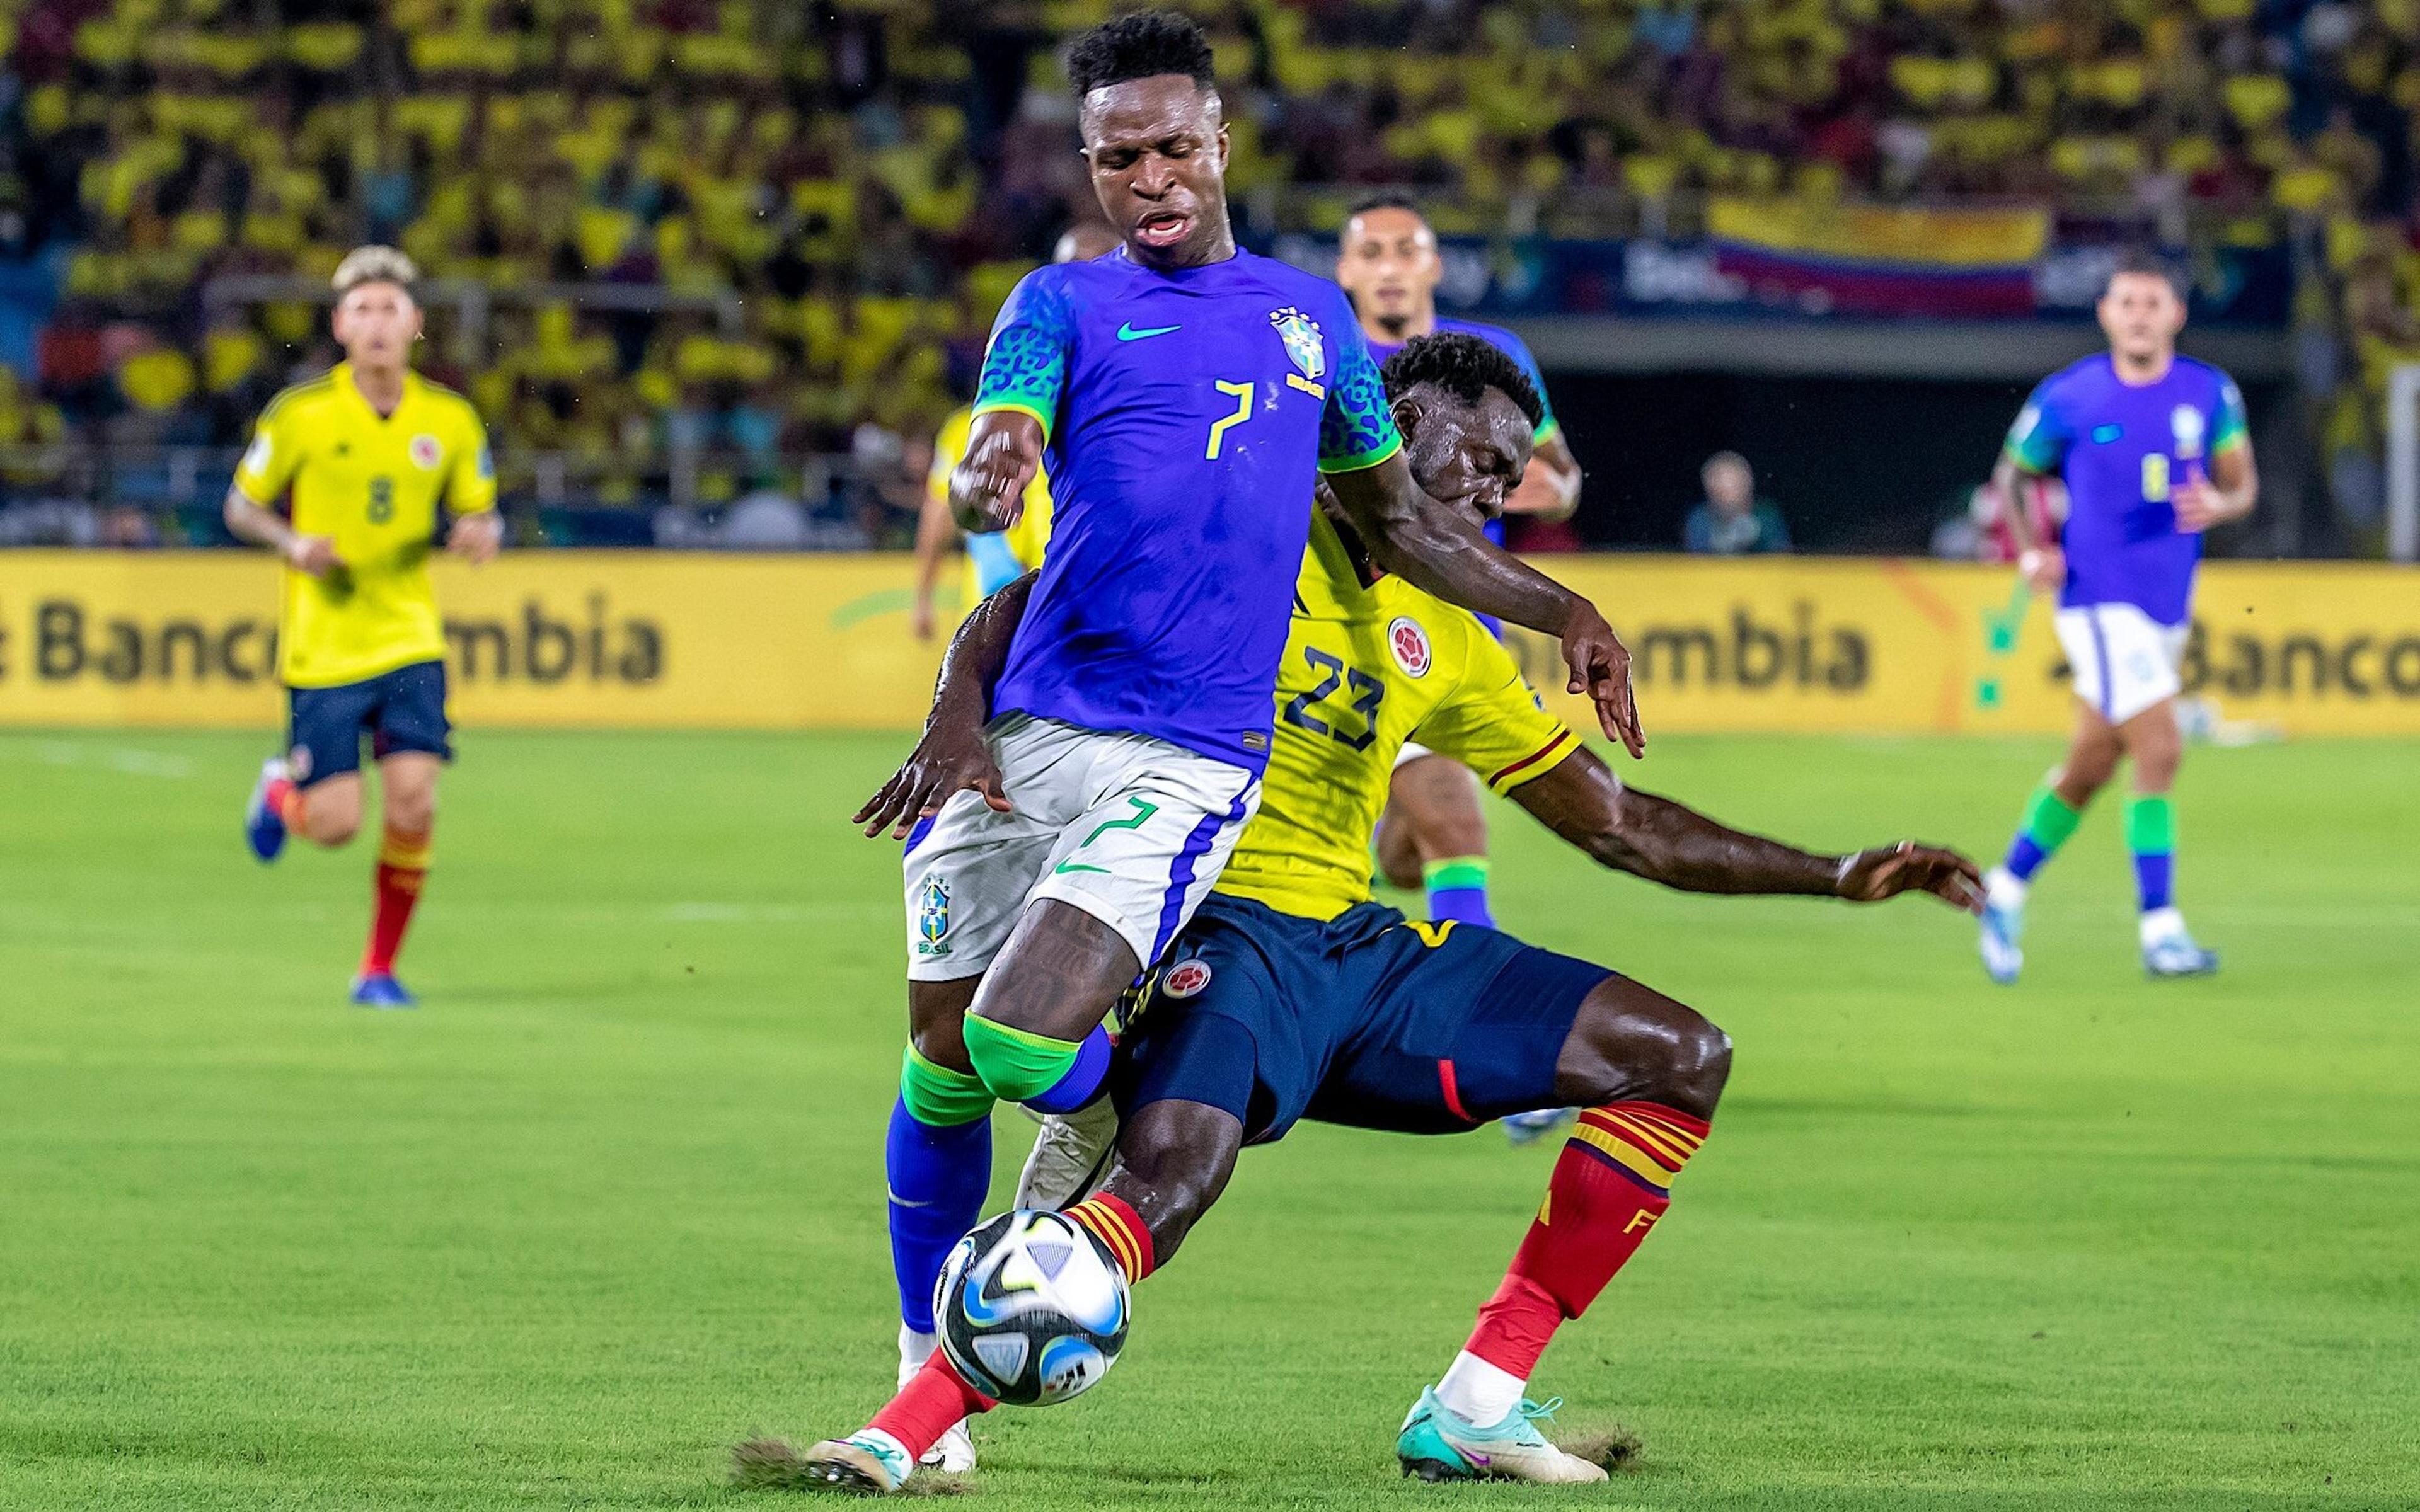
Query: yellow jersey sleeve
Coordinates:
[471,467]
[1031,535]
[1492,722]
[269,463]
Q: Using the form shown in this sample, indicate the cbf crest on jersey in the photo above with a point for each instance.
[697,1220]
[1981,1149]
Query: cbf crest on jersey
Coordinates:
[1300,333]
[933,917]
[2186,423]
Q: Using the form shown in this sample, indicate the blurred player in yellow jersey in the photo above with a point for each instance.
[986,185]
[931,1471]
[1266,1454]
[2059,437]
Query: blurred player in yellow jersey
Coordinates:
[368,460]
[996,557]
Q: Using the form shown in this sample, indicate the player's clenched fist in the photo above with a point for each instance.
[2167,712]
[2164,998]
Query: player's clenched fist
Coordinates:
[1600,665]
[987,488]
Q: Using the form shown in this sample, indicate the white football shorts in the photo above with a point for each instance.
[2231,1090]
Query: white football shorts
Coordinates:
[2124,660]
[1131,829]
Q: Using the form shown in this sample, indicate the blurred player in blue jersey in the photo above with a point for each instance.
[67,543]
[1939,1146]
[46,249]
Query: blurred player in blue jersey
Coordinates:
[2153,450]
[1434,835]
[1189,397]
[995,559]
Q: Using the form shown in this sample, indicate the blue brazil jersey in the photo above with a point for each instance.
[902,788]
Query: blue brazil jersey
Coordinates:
[2122,450]
[1188,416]
[1517,349]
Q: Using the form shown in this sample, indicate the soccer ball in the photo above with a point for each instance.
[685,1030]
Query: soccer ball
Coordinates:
[1031,1308]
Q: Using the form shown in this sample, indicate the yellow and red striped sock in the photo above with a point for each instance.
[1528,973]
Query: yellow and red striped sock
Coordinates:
[1115,1223]
[1611,1183]
[402,868]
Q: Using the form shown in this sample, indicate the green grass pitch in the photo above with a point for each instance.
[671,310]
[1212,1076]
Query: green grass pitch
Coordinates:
[612,1201]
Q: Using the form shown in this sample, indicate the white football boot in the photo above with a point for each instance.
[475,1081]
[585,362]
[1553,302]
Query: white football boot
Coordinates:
[1070,1153]
[1439,1444]
[954,1453]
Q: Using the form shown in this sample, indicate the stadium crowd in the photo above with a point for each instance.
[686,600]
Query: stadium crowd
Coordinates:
[827,202]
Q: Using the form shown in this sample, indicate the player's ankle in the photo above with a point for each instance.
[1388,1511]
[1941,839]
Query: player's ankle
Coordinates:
[2157,924]
[1478,1393]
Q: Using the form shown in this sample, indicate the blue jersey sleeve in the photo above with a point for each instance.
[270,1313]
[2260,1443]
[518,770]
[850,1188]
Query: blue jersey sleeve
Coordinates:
[1357,430]
[2038,440]
[1024,368]
[2229,427]
[1517,349]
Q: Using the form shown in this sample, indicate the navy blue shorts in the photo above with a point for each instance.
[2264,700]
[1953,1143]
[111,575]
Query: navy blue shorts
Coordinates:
[1366,1021]
[399,711]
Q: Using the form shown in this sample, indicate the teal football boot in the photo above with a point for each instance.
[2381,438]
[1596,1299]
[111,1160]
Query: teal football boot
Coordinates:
[1439,1444]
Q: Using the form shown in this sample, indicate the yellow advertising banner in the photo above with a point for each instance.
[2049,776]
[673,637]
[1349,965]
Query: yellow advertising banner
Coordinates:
[619,641]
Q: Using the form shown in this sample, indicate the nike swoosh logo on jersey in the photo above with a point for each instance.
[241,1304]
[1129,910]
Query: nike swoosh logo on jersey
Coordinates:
[1127,332]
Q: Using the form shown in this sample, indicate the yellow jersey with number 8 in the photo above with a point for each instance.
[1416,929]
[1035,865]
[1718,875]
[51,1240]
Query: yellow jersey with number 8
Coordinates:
[372,484]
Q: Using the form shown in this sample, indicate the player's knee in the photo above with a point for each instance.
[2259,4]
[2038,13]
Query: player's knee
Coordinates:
[1696,1065]
[1640,1044]
[412,810]
[331,828]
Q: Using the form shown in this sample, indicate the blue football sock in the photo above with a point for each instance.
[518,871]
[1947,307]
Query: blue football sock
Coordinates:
[1084,1079]
[940,1175]
[1457,890]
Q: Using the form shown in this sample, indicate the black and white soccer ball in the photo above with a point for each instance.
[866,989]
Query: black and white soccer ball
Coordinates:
[1031,1308]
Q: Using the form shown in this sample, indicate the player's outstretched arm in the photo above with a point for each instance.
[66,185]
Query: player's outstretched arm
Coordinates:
[247,521]
[988,487]
[952,755]
[1441,548]
[1581,800]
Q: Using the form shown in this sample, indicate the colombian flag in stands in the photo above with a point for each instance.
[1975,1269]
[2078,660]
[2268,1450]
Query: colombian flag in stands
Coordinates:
[1881,260]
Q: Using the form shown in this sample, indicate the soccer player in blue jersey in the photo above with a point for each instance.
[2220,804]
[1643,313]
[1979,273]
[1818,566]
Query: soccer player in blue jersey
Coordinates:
[1189,397]
[2154,451]
[1292,995]
[1434,835]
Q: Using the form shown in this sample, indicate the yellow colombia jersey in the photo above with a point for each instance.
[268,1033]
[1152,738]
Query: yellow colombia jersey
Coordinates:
[372,486]
[1367,668]
[1032,532]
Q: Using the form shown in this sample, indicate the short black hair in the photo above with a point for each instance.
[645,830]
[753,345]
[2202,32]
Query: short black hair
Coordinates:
[1144,45]
[2148,262]
[1386,199]
[1464,367]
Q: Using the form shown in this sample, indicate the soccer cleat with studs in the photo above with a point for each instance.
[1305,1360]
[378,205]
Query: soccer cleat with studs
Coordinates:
[868,1463]
[1437,1444]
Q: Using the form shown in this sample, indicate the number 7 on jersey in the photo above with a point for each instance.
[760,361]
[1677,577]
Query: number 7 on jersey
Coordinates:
[1218,429]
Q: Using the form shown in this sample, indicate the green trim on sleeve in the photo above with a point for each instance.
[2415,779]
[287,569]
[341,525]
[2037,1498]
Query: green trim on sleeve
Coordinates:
[1019,405]
[1362,460]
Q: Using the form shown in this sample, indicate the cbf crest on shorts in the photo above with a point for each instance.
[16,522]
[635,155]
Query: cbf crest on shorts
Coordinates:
[933,917]
[1300,333]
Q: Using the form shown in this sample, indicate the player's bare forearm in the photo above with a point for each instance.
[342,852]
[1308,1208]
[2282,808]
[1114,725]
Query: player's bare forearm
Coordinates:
[1670,844]
[2010,481]
[1441,548]
[988,487]
[1550,485]
[952,755]
[248,522]
[933,531]
[1621,828]
[978,654]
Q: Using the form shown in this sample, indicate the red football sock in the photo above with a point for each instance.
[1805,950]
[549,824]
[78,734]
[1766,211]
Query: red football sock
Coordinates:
[1117,1225]
[284,800]
[934,1398]
[403,866]
[1610,1185]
